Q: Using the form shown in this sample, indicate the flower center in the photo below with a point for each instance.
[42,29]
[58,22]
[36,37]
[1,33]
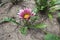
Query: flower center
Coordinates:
[26,16]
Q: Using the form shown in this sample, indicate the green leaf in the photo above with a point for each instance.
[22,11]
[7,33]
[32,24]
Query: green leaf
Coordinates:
[10,20]
[35,10]
[38,1]
[50,16]
[42,8]
[52,2]
[41,4]
[57,2]
[34,18]
[23,30]
[55,8]
[7,19]
[41,25]
[58,14]
[51,37]
[14,21]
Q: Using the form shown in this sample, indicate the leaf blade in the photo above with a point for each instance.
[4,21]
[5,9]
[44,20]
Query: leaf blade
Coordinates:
[23,30]
[51,37]
[42,25]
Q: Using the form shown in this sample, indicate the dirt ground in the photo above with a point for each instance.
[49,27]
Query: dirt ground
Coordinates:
[9,31]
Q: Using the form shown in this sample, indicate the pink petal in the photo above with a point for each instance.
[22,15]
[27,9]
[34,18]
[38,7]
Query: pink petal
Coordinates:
[27,11]
[20,17]
[20,12]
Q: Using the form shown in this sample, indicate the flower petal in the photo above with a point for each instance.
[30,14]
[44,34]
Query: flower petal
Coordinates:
[24,12]
[20,12]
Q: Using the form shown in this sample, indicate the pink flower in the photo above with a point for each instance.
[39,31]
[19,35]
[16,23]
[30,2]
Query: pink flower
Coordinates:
[25,13]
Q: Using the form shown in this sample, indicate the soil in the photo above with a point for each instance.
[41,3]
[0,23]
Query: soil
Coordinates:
[9,31]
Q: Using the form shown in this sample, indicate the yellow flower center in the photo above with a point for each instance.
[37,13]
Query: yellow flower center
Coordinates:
[26,16]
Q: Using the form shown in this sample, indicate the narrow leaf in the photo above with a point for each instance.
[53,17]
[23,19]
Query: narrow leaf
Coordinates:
[23,30]
[35,10]
[58,14]
[52,2]
[55,8]
[51,37]
[50,16]
[42,25]
[10,20]
[57,2]
[7,19]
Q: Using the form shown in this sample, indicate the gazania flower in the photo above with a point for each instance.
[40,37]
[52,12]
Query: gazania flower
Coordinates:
[25,13]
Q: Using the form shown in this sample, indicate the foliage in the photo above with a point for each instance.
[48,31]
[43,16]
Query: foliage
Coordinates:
[41,25]
[41,4]
[47,7]
[10,20]
[27,24]
[58,18]
[57,2]
[58,14]
[23,30]
[50,16]
[51,37]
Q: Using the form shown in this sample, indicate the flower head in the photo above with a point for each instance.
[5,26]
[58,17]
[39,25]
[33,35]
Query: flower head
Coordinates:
[25,13]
